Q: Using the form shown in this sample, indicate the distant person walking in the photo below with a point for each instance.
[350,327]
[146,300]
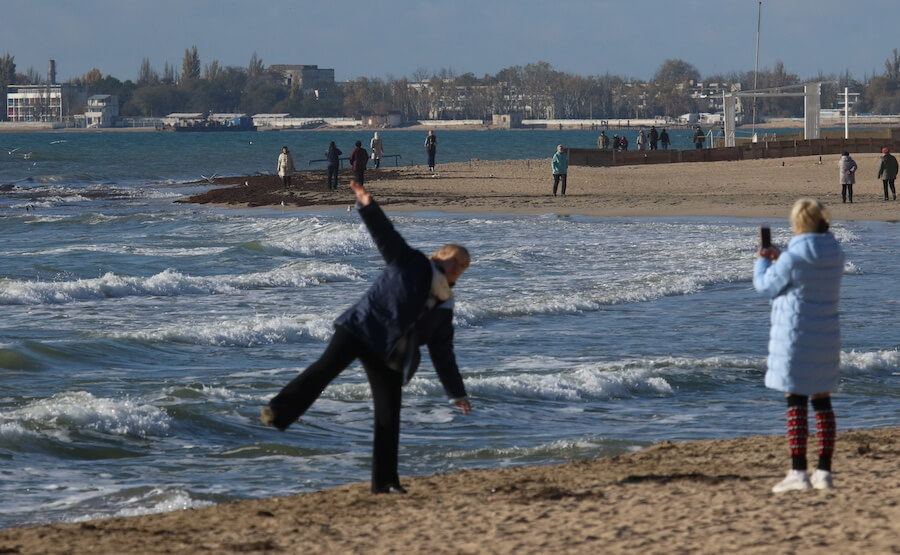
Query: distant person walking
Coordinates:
[616,143]
[359,158]
[653,137]
[804,283]
[333,155]
[603,141]
[641,140]
[887,173]
[847,167]
[560,168]
[377,147]
[431,149]
[664,139]
[699,138]
[285,167]
[623,143]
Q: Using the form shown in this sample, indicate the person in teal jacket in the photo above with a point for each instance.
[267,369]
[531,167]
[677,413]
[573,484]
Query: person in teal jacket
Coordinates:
[560,167]
[804,283]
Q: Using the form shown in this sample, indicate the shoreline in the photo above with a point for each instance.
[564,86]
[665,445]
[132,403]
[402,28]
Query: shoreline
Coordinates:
[695,496]
[761,189]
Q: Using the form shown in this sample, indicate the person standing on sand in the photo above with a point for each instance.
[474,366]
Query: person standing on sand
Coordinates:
[641,140]
[603,141]
[847,168]
[409,305]
[377,146]
[653,137]
[804,283]
[359,158]
[431,149]
[664,139]
[285,167]
[887,172]
[699,138]
[560,167]
[333,155]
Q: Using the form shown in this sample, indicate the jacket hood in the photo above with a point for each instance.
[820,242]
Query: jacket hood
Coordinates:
[815,247]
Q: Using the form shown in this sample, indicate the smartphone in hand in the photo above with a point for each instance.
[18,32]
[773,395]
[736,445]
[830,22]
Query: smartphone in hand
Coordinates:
[765,237]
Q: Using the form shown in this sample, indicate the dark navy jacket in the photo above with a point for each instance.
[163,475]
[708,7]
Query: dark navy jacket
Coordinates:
[393,318]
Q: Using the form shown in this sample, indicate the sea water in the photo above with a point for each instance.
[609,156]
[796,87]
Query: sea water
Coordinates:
[140,337]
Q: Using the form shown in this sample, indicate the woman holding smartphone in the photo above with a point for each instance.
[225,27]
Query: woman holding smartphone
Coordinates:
[804,284]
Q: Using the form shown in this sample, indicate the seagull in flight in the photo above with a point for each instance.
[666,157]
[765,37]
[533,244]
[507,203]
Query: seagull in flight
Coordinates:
[211,178]
[10,150]
[58,141]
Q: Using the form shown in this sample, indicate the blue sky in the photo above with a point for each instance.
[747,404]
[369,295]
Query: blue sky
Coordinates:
[378,39]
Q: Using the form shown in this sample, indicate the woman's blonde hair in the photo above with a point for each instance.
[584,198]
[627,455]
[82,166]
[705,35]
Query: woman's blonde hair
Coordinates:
[452,250]
[809,216]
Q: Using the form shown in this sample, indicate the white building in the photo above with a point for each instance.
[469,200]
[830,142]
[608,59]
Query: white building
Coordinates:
[30,103]
[102,110]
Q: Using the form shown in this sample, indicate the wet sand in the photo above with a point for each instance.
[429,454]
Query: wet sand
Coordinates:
[692,497]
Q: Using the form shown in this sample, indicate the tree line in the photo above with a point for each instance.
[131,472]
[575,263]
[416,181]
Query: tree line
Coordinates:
[535,90]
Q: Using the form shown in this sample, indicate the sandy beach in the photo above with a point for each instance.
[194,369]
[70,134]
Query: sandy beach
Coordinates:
[691,497]
[749,189]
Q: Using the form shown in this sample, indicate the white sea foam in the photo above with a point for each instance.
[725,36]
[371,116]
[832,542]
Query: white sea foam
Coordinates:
[246,332]
[79,411]
[153,501]
[171,283]
[636,288]
[311,237]
[855,363]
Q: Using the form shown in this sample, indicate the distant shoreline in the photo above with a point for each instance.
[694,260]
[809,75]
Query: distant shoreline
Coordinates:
[764,188]
[6,127]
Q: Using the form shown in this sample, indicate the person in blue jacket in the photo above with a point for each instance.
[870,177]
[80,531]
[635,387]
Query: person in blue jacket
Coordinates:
[804,284]
[559,165]
[409,305]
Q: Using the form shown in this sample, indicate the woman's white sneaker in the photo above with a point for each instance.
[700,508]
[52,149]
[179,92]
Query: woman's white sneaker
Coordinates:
[821,479]
[795,480]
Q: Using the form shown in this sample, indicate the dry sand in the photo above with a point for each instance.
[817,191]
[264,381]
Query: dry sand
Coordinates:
[707,496]
[693,497]
[749,188]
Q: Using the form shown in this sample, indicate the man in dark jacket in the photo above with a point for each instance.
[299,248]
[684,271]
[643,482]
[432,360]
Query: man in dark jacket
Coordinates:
[358,159]
[409,305]
[333,155]
[887,173]
[653,137]
[699,138]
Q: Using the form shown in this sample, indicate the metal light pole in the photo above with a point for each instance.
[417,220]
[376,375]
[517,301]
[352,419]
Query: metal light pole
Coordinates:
[756,66]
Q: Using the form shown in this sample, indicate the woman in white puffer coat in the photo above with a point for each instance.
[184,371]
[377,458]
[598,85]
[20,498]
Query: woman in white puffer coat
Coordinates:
[804,283]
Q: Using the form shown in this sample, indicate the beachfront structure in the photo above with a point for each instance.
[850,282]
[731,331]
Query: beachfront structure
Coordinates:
[391,118]
[306,78]
[34,103]
[448,101]
[711,95]
[812,99]
[102,110]
[506,121]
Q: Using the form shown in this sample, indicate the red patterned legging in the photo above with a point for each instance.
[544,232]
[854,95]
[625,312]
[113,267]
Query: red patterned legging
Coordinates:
[798,430]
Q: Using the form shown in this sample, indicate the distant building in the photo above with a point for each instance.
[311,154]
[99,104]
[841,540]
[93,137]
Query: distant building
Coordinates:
[306,78]
[391,118]
[30,103]
[507,121]
[102,110]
